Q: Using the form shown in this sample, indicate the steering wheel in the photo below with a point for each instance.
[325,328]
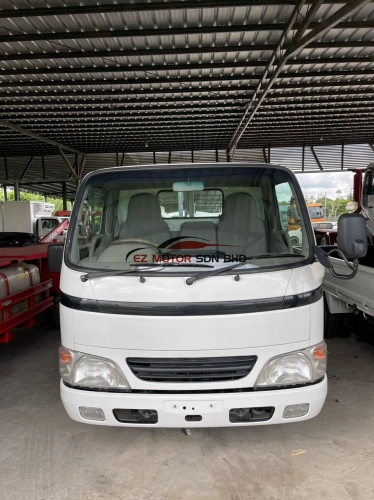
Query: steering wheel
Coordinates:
[135,240]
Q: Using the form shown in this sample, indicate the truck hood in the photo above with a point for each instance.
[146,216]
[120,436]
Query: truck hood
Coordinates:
[215,313]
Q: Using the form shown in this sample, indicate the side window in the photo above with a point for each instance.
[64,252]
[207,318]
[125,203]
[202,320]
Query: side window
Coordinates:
[91,223]
[289,213]
[49,224]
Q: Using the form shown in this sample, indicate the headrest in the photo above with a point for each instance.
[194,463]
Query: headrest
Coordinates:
[239,203]
[142,205]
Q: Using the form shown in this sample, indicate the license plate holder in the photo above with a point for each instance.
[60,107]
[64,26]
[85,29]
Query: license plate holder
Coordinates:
[188,407]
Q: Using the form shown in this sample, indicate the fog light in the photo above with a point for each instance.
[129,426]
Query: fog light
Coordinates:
[294,411]
[251,414]
[90,413]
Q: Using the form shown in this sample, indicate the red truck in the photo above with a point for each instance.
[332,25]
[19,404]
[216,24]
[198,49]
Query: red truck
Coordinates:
[29,292]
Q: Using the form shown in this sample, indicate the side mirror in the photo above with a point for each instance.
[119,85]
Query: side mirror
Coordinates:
[352,244]
[55,256]
[352,236]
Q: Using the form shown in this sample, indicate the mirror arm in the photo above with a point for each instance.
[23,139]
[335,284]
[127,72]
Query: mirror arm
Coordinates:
[352,265]
[349,264]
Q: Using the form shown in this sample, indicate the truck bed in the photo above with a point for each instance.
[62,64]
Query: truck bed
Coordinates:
[358,291]
[23,254]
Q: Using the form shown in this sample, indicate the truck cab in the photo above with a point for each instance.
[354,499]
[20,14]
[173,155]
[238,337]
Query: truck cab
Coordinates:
[317,212]
[184,302]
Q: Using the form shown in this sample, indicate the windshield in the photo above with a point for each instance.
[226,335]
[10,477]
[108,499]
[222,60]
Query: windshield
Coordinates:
[316,212]
[186,217]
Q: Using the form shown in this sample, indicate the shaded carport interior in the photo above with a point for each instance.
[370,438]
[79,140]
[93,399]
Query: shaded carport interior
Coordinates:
[90,94]
[286,82]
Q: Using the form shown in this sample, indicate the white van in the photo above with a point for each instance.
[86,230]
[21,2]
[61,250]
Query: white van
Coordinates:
[184,302]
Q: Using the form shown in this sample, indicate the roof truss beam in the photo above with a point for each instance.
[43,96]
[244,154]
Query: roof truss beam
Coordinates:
[172,31]
[194,114]
[63,116]
[74,54]
[139,7]
[188,67]
[300,41]
[26,169]
[209,90]
[184,81]
[54,101]
[29,133]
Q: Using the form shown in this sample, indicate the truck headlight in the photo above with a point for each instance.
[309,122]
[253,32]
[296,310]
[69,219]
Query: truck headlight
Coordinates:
[299,367]
[84,370]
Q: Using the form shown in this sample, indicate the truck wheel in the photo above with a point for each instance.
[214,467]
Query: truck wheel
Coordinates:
[337,325]
[49,319]
[294,240]
[344,326]
[43,321]
[55,313]
[330,329]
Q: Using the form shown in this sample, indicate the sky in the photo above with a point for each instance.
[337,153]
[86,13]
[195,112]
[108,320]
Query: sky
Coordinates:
[320,183]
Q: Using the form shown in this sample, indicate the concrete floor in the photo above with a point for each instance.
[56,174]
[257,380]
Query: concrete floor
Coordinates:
[45,455]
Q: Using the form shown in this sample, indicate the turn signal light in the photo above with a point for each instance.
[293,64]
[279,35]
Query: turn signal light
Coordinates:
[65,357]
[319,353]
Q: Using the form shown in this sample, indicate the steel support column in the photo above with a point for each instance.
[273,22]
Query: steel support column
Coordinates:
[316,158]
[64,198]
[16,191]
[26,169]
[43,165]
[69,165]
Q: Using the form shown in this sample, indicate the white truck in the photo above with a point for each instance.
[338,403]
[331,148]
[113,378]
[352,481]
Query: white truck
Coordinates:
[184,302]
[32,217]
[348,301]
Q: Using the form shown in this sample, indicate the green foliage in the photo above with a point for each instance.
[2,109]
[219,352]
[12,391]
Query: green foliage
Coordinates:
[26,196]
[336,207]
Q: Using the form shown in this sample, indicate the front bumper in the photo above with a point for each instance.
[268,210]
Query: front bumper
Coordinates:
[213,408]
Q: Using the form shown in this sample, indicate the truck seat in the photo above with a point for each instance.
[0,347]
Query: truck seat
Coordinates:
[205,230]
[144,220]
[241,226]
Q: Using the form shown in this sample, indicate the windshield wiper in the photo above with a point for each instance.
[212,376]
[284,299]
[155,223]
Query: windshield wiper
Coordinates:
[201,276]
[136,268]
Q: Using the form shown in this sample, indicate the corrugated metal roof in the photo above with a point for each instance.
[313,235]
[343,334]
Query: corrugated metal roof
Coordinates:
[139,76]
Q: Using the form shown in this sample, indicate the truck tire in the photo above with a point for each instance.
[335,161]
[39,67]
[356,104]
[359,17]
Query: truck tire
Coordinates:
[337,325]
[330,326]
[49,319]
[44,321]
[344,325]
[55,313]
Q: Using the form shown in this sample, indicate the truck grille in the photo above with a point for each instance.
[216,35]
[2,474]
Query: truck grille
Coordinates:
[191,369]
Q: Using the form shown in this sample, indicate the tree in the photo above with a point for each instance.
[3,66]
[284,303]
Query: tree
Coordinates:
[336,206]
[27,196]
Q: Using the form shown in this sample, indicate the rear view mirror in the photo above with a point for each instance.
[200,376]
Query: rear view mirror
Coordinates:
[352,236]
[352,245]
[188,186]
[55,256]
